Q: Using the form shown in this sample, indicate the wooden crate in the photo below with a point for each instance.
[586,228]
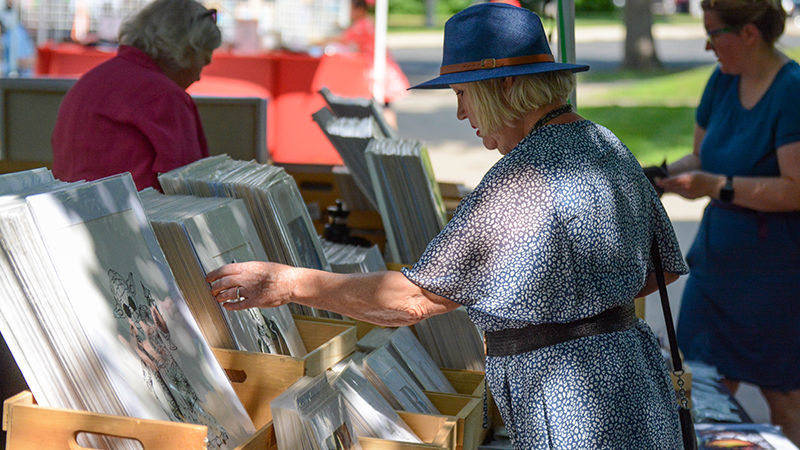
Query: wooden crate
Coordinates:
[7,166]
[23,419]
[24,422]
[473,384]
[328,341]
[468,412]
[466,382]
[257,379]
[257,392]
[436,432]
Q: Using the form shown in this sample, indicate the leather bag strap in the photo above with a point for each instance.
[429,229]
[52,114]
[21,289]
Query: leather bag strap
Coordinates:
[685,414]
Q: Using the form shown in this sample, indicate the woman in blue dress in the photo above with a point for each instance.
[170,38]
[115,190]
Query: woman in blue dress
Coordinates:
[546,254]
[741,306]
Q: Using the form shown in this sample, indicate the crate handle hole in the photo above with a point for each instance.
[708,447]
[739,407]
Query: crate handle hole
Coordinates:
[83,441]
[236,376]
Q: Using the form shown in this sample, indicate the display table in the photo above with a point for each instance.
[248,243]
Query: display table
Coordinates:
[293,81]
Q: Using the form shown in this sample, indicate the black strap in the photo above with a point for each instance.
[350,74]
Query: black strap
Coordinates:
[685,414]
[513,341]
[662,289]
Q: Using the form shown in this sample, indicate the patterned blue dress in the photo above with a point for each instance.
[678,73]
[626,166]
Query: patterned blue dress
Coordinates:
[559,230]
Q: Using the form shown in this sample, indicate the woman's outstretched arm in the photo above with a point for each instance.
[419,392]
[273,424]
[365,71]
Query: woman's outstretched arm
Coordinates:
[382,298]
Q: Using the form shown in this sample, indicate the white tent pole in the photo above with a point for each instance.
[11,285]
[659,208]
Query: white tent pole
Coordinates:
[379,63]
[41,27]
[566,36]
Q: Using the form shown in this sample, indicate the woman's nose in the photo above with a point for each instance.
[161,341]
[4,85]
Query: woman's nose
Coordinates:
[460,114]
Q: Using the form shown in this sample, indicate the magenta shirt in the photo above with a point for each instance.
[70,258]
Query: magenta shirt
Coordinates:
[126,115]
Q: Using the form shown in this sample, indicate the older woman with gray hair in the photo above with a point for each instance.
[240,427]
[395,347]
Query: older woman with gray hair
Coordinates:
[132,113]
[546,254]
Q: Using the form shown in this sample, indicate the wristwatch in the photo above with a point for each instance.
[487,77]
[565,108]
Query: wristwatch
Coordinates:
[726,193]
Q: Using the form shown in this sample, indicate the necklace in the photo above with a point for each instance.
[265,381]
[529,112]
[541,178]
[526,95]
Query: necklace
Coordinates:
[563,109]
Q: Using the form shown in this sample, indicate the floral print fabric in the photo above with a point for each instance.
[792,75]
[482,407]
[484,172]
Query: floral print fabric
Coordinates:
[559,230]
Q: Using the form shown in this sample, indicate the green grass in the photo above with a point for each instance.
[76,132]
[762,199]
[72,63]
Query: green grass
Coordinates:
[412,22]
[652,133]
[651,112]
[650,88]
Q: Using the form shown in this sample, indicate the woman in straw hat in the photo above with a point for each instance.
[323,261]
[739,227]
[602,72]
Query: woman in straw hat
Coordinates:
[741,306]
[546,254]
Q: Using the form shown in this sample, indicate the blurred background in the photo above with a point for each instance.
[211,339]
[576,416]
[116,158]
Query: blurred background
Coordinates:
[648,69]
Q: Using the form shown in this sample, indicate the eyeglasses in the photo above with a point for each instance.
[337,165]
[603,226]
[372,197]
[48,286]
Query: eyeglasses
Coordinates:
[210,13]
[710,35]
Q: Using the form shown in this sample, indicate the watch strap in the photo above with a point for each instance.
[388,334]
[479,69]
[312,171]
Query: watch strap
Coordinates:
[726,193]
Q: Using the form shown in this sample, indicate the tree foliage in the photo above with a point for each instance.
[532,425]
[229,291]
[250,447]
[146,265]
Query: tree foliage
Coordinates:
[443,7]
[594,6]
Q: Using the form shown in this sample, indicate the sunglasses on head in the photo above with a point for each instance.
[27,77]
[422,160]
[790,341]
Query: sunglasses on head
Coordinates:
[212,13]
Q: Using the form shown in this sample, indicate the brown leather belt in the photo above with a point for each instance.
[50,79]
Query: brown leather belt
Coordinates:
[514,341]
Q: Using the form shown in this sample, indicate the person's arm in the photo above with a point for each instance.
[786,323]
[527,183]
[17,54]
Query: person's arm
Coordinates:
[691,161]
[382,298]
[770,194]
[766,194]
[652,285]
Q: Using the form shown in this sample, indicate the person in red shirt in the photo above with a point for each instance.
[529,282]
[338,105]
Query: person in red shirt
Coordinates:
[132,113]
[360,38]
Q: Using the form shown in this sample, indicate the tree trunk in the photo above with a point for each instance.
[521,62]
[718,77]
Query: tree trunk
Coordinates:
[640,49]
[430,13]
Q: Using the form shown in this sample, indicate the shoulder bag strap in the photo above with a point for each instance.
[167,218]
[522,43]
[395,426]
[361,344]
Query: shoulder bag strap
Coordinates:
[687,423]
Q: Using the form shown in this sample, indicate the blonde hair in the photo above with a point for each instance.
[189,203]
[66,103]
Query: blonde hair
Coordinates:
[495,107]
[768,16]
[173,32]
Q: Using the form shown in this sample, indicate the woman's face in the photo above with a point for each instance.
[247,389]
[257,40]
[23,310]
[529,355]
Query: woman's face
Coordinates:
[502,140]
[725,43]
[186,77]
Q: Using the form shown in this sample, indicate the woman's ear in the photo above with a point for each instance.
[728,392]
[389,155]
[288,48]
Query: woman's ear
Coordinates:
[750,34]
[507,82]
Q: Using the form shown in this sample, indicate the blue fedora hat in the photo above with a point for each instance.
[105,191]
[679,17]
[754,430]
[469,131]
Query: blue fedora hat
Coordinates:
[494,40]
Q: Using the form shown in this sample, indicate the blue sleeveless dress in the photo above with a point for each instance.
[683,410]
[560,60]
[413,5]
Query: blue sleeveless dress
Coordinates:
[741,306]
[559,230]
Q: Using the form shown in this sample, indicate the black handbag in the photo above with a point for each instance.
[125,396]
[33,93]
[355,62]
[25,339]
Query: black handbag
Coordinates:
[687,423]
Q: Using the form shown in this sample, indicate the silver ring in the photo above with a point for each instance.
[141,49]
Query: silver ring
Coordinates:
[238,295]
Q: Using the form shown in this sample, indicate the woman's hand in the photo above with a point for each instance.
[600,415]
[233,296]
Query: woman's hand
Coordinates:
[252,284]
[693,184]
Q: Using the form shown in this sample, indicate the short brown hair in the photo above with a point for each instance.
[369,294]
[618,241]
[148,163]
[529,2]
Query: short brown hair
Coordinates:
[768,16]
[495,107]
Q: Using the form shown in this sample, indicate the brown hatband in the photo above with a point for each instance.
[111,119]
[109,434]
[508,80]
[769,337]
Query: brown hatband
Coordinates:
[491,63]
